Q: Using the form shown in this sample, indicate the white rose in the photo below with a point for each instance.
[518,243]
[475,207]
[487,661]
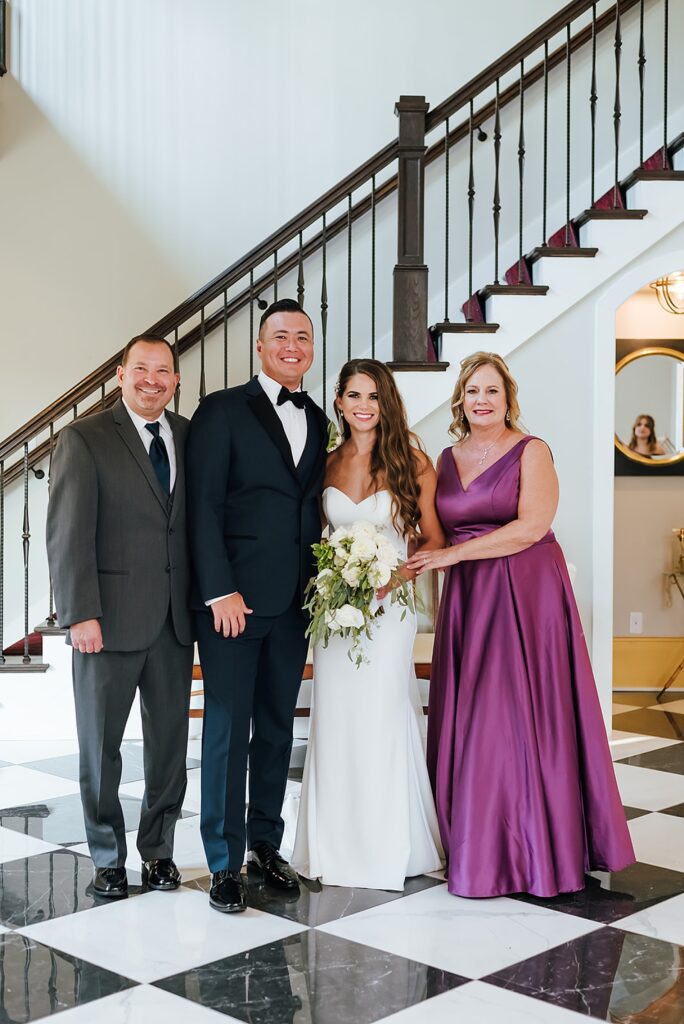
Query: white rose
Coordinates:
[332,623]
[351,574]
[339,536]
[341,557]
[379,574]
[363,548]
[387,553]
[349,617]
[362,529]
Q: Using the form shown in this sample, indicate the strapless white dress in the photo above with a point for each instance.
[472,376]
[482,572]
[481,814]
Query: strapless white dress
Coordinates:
[366,816]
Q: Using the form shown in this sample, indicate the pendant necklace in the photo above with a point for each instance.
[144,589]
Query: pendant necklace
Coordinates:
[487,450]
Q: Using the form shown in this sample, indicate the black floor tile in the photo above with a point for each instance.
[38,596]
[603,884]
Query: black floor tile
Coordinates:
[634,812]
[651,723]
[608,974]
[315,903]
[311,978]
[38,981]
[677,810]
[60,820]
[667,759]
[609,896]
[132,768]
[36,889]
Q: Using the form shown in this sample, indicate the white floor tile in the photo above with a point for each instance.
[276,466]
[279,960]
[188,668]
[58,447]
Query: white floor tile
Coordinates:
[479,1003]
[659,839]
[21,751]
[159,933]
[647,788]
[663,921]
[675,706]
[15,845]
[627,744]
[143,1005]
[620,709]
[469,937]
[26,786]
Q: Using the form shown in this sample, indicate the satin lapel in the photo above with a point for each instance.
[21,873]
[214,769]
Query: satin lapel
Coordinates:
[178,496]
[314,423]
[262,407]
[131,438]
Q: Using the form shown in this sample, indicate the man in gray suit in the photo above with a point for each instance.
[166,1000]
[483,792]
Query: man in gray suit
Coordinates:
[118,555]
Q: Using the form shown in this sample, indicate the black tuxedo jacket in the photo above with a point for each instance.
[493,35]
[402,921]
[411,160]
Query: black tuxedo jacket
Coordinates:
[252,514]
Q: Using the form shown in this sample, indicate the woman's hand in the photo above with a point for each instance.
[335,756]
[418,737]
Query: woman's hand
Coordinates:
[401,574]
[440,558]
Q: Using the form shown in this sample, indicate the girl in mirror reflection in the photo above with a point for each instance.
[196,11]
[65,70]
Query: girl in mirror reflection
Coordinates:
[644,440]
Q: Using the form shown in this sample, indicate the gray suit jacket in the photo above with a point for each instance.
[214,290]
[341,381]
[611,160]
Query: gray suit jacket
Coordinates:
[117,547]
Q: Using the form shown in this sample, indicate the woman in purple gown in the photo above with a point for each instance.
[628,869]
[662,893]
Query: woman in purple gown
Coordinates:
[517,751]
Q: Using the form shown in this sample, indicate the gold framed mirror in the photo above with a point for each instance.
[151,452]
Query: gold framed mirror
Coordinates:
[649,406]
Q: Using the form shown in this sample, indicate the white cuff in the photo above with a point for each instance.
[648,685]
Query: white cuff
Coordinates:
[215,599]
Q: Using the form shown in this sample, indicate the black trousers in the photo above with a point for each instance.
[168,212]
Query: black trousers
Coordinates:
[251,682]
[104,689]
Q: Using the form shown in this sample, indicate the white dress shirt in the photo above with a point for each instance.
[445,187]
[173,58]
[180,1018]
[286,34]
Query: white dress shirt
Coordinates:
[165,433]
[294,425]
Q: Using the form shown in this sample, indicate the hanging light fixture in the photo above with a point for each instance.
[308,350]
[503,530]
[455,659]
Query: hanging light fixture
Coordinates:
[670,292]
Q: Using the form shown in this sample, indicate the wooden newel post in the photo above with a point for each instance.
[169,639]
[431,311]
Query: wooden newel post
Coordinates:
[409,339]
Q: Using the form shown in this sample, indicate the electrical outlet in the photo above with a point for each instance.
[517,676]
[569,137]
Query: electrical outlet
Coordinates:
[636,622]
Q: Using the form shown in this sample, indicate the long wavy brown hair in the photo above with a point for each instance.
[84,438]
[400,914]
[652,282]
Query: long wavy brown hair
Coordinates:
[460,427]
[393,457]
[652,442]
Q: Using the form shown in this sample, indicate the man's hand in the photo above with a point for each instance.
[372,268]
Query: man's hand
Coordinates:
[86,637]
[229,615]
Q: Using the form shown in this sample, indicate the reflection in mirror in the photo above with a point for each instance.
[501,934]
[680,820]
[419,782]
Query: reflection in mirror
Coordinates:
[649,405]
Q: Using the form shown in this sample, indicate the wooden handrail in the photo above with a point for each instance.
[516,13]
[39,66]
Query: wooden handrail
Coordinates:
[360,176]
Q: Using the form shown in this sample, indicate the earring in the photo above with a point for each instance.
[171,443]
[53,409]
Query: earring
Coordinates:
[508,416]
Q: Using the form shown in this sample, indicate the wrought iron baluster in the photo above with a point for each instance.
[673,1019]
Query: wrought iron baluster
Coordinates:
[275,276]
[666,55]
[349,276]
[75,410]
[617,110]
[496,205]
[2,561]
[446,222]
[26,544]
[324,308]
[642,68]
[251,322]
[102,398]
[471,200]
[521,169]
[373,241]
[202,381]
[176,367]
[545,158]
[300,274]
[225,338]
[568,40]
[51,618]
[593,97]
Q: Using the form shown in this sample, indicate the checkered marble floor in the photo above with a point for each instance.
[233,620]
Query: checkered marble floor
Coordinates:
[336,956]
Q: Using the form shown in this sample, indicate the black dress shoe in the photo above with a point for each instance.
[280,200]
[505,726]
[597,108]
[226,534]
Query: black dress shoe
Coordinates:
[227,892]
[274,868]
[110,882]
[160,874]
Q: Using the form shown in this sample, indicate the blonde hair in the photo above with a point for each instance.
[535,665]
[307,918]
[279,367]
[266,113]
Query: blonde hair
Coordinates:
[460,427]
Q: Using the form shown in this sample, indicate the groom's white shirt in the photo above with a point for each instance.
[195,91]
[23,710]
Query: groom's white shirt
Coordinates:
[294,425]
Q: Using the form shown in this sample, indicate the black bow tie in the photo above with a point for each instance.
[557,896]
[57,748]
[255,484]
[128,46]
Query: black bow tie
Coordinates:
[298,398]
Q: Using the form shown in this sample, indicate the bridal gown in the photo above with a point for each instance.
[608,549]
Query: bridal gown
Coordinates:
[366,815]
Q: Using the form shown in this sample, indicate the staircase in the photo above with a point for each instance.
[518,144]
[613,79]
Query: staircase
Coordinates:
[557,162]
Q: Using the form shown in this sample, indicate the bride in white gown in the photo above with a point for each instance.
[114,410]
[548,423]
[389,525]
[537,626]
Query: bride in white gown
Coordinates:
[366,816]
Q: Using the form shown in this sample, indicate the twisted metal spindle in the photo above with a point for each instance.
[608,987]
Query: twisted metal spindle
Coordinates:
[251,322]
[446,222]
[666,56]
[568,40]
[176,366]
[373,243]
[641,62]
[26,545]
[617,109]
[300,273]
[545,157]
[593,97]
[521,169]
[496,205]
[51,617]
[324,309]
[471,200]
[2,561]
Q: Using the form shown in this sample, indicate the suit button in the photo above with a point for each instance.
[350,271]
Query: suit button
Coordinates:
[168,568]
[171,529]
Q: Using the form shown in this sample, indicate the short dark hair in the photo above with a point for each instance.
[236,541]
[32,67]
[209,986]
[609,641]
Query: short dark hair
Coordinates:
[151,339]
[284,306]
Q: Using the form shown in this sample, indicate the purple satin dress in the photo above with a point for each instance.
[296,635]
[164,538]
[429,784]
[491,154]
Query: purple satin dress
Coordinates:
[517,751]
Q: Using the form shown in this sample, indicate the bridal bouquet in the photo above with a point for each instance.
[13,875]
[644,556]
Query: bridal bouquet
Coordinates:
[351,565]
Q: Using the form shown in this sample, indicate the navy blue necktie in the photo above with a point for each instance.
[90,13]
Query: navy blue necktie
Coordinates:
[159,457]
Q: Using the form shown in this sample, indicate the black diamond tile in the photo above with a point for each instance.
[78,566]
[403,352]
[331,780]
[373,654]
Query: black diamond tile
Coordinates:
[651,723]
[315,903]
[634,812]
[311,978]
[608,974]
[609,897]
[38,981]
[667,759]
[60,820]
[132,768]
[49,885]
[677,810]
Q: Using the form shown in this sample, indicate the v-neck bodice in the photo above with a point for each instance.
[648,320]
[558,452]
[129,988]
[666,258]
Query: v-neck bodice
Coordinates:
[490,500]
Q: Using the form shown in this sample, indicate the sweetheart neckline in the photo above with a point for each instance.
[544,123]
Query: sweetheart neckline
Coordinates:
[331,487]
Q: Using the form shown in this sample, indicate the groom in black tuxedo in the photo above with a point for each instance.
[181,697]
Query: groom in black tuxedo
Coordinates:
[255,467]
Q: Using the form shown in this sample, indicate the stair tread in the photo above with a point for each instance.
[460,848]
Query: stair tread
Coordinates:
[666,174]
[609,214]
[513,289]
[14,663]
[463,328]
[565,252]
